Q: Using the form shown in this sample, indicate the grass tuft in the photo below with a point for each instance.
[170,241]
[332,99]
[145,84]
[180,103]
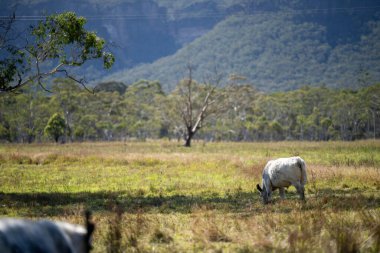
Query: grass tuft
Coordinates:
[161,236]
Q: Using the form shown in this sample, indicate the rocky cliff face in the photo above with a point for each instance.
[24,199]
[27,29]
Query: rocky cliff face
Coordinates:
[137,31]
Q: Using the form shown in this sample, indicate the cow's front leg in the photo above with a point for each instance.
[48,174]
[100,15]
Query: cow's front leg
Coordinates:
[282,192]
[269,195]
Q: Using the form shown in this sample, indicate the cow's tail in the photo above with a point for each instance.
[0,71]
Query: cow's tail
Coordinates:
[302,165]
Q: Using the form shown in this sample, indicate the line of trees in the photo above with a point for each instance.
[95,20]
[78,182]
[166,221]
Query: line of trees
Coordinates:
[236,112]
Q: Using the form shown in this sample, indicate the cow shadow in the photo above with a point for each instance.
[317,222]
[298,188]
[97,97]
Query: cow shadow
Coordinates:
[50,204]
[56,203]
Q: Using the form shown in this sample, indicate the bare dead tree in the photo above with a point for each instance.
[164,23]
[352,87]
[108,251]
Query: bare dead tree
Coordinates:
[196,102]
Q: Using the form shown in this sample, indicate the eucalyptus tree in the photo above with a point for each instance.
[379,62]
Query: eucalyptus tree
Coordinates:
[66,98]
[237,110]
[143,102]
[55,127]
[51,48]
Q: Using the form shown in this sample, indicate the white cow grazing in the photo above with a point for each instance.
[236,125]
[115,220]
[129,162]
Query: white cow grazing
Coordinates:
[25,236]
[281,173]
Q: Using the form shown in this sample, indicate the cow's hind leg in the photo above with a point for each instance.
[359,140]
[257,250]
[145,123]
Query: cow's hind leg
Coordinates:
[301,190]
[282,192]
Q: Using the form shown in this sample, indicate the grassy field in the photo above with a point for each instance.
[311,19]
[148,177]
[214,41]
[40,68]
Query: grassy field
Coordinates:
[161,197]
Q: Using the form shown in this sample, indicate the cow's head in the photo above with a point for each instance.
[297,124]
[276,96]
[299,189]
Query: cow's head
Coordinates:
[263,193]
[81,236]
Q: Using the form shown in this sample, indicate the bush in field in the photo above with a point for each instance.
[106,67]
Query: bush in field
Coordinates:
[55,127]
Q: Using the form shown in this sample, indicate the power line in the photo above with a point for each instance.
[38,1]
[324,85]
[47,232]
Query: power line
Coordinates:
[202,15]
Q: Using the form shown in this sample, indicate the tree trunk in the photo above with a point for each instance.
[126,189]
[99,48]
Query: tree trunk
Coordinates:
[189,137]
[188,142]
[374,124]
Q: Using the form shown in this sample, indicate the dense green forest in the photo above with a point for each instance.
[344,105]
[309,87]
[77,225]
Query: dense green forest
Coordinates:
[142,110]
[276,51]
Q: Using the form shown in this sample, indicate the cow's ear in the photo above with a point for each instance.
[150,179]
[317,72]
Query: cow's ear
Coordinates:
[259,188]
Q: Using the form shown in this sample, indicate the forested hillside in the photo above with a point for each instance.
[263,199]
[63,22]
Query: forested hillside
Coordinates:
[276,45]
[274,52]
[145,111]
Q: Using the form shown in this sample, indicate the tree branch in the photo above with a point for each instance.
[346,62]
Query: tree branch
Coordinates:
[201,114]
[81,81]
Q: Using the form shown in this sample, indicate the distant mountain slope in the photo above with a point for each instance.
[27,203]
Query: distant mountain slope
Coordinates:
[278,51]
[276,44]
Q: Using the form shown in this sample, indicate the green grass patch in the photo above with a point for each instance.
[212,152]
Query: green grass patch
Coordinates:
[158,196]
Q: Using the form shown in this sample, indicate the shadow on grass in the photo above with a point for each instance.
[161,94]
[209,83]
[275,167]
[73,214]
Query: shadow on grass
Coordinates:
[50,204]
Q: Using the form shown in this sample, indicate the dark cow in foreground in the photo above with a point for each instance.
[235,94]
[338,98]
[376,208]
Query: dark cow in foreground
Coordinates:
[26,236]
[282,173]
